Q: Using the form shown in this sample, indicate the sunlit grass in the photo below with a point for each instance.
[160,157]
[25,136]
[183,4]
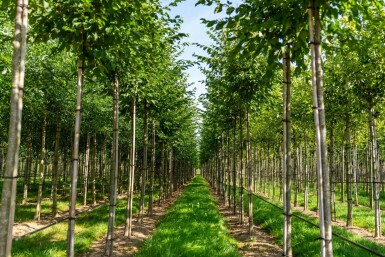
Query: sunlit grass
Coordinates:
[305,237]
[363,216]
[192,227]
[89,227]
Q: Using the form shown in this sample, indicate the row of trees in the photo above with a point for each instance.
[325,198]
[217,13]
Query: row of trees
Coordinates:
[261,66]
[127,73]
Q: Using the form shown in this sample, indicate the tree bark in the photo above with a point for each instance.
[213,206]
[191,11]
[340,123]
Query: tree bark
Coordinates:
[27,168]
[55,170]
[162,174]
[348,172]
[41,169]
[153,163]
[93,170]
[286,175]
[8,196]
[75,162]
[86,169]
[376,173]
[234,165]
[145,165]
[114,172]
[130,199]
[248,169]
[320,126]
[241,207]
[228,168]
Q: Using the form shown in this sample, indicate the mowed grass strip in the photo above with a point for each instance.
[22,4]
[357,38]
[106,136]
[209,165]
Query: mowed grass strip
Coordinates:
[192,227]
[89,227]
[305,237]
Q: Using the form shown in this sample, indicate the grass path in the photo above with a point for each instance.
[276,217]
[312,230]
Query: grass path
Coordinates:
[192,227]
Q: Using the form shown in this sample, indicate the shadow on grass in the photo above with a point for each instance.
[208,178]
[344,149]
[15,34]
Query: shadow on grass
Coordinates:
[89,227]
[192,227]
[305,237]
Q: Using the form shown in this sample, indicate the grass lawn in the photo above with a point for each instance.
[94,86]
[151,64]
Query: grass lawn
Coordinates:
[192,227]
[305,238]
[89,227]
[363,216]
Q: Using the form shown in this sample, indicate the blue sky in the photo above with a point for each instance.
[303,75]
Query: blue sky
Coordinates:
[193,26]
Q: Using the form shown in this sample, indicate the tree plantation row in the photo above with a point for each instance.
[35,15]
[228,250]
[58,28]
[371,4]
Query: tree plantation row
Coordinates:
[134,128]
[273,93]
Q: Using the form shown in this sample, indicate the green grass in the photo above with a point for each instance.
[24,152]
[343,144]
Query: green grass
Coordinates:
[90,226]
[305,240]
[24,213]
[192,227]
[363,216]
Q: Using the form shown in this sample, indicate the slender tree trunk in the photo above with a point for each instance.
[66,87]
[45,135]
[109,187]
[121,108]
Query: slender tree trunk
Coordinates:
[8,196]
[145,166]
[41,169]
[114,172]
[93,170]
[286,185]
[228,168]
[333,174]
[55,171]
[376,173]
[86,169]
[27,168]
[248,169]
[320,124]
[102,165]
[343,176]
[130,199]
[153,159]
[234,165]
[307,189]
[75,162]
[170,173]
[355,168]
[162,173]
[348,171]
[241,207]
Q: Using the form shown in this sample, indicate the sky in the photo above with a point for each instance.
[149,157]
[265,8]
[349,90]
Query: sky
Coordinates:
[192,25]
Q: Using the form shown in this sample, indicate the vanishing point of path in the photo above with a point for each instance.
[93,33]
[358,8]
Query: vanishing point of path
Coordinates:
[194,226]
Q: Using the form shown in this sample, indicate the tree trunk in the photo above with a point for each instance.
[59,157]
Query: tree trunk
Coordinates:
[93,170]
[306,194]
[376,173]
[234,165]
[333,175]
[145,166]
[55,170]
[75,162]
[286,185]
[86,169]
[355,170]
[228,168]
[320,125]
[8,196]
[41,169]
[114,172]
[130,199]
[248,169]
[153,163]
[162,174]
[170,173]
[348,171]
[241,207]
[27,168]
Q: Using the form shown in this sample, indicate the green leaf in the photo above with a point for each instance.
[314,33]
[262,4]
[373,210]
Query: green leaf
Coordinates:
[230,10]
